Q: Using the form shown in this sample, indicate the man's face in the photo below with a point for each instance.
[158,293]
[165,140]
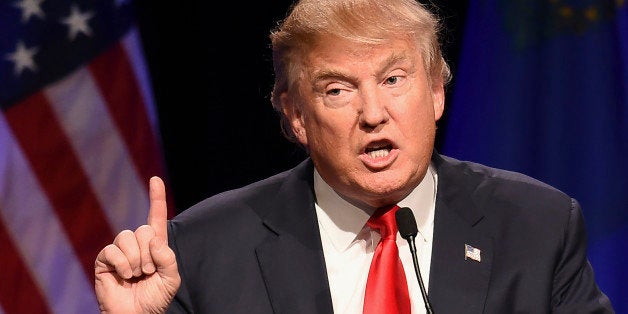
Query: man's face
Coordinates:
[367,115]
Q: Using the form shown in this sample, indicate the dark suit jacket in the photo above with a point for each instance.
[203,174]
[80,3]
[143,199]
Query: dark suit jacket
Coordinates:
[258,250]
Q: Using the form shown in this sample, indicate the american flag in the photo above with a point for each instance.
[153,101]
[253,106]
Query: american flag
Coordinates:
[78,143]
[472,253]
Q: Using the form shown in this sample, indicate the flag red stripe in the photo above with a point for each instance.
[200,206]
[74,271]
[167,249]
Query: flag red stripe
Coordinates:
[18,291]
[127,108]
[61,176]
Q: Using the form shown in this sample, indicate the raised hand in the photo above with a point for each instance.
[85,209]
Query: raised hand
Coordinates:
[138,273]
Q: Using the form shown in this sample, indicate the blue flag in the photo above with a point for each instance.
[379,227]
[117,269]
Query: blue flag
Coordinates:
[542,88]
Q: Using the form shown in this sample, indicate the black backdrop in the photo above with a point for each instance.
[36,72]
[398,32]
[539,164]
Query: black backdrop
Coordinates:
[211,71]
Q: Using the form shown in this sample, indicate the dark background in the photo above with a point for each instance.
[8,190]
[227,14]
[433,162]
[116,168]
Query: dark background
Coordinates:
[211,70]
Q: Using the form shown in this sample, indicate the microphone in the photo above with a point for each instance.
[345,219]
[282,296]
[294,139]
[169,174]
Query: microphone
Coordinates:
[408,230]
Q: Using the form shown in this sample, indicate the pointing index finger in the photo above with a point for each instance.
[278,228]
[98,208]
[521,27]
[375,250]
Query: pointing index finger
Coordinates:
[158,210]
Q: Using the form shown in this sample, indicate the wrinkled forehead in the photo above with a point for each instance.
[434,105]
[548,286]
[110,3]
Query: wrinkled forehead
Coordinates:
[361,45]
[331,53]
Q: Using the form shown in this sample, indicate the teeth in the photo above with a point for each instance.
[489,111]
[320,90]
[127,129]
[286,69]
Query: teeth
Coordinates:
[378,153]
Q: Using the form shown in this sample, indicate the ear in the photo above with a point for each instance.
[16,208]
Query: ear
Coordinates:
[438,97]
[293,112]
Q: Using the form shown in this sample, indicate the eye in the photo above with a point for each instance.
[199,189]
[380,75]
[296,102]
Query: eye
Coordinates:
[337,94]
[333,92]
[392,80]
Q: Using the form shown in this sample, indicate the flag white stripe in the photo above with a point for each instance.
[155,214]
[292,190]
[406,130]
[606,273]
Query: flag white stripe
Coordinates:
[83,114]
[132,45]
[38,235]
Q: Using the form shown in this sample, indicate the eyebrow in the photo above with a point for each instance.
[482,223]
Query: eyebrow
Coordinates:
[390,61]
[323,75]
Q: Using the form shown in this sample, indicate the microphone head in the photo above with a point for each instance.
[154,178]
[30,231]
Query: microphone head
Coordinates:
[406,223]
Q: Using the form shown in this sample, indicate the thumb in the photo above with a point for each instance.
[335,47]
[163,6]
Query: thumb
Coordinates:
[165,263]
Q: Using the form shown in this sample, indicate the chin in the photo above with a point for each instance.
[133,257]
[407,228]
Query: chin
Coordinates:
[393,183]
[380,193]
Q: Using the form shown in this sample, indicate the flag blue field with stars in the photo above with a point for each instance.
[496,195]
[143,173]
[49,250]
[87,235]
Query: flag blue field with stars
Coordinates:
[38,34]
[542,88]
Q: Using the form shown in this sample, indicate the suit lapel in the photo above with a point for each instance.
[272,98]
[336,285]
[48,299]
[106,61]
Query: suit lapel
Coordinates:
[293,266]
[458,284]
[292,262]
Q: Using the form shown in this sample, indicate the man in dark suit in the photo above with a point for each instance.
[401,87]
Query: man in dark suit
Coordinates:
[360,85]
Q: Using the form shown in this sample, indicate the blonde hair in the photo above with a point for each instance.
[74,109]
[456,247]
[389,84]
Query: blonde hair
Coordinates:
[360,21]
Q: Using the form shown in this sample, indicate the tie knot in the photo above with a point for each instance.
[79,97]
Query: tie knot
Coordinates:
[383,220]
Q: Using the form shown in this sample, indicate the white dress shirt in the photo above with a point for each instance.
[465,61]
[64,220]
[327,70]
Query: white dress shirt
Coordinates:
[348,243]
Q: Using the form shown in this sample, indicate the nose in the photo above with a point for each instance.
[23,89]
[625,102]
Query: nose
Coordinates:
[373,111]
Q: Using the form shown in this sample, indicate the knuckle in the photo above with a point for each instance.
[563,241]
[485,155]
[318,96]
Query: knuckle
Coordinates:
[144,233]
[122,236]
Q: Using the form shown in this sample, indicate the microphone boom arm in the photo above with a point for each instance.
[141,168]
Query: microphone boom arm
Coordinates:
[417,271]
[408,230]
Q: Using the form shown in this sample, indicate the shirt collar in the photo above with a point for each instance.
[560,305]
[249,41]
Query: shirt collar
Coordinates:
[342,221]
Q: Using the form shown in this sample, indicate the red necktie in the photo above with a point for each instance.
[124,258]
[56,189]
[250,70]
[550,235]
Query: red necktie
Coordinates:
[386,286]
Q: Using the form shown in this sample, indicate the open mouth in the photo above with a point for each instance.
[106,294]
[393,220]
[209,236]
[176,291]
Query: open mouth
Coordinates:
[378,150]
[379,155]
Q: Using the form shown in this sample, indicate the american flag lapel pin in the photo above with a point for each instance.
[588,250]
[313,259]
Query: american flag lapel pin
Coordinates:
[473,253]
